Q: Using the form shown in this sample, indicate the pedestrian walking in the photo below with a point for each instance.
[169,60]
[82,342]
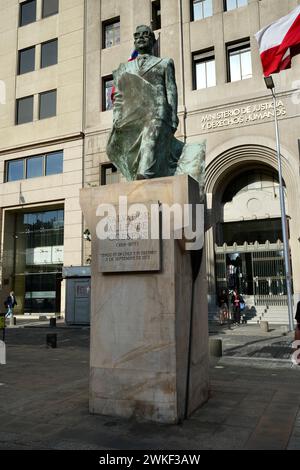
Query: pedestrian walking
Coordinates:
[10,303]
[236,300]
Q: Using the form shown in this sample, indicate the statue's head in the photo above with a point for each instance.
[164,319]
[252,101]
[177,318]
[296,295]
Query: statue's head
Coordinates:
[144,39]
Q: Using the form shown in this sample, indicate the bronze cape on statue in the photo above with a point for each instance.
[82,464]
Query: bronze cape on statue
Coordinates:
[142,143]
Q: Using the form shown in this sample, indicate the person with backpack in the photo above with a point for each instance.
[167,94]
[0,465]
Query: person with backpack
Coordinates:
[10,303]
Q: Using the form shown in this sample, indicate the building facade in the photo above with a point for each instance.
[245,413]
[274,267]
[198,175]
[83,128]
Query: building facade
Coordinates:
[41,164]
[56,61]
[223,100]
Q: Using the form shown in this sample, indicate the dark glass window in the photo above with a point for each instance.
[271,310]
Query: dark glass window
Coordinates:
[54,163]
[109,174]
[50,7]
[15,170]
[24,110]
[233,4]
[26,60]
[48,104]
[107,86]
[35,167]
[156,15]
[111,33]
[27,12]
[201,9]
[49,53]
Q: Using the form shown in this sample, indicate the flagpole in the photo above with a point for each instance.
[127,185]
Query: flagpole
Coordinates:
[270,85]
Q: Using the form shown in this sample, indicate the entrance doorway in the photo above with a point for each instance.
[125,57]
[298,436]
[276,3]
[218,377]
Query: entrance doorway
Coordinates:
[256,271]
[249,252]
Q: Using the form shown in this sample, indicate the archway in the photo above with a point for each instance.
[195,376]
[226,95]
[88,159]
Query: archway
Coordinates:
[244,241]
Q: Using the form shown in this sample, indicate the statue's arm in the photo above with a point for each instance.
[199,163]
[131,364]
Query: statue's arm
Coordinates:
[172,95]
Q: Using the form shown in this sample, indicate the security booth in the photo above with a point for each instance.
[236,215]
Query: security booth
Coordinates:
[78,288]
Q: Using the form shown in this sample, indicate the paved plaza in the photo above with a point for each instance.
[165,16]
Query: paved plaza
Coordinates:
[254,399]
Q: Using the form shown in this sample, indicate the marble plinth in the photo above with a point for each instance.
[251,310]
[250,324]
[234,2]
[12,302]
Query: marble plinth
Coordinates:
[141,325]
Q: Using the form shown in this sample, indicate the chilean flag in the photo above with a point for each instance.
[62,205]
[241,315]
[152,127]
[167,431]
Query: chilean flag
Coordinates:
[279,42]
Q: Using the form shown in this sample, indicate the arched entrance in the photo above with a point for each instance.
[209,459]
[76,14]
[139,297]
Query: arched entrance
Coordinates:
[244,238]
[248,237]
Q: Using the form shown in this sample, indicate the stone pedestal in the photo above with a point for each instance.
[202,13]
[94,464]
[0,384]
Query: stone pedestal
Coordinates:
[148,329]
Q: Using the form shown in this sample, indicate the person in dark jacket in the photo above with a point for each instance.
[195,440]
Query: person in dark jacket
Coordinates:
[10,303]
[297,317]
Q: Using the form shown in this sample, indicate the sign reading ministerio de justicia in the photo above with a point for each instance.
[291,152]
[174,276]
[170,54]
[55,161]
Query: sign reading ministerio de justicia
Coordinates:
[241,115]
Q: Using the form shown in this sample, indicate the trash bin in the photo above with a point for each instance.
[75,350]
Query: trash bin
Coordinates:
[52,322]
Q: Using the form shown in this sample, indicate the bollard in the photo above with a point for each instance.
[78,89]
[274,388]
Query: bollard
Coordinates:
[51,340]
[264,326]
[12,320]
[215,347]
[52,322]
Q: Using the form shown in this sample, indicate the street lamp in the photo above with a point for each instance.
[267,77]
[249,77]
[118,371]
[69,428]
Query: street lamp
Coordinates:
[270,85]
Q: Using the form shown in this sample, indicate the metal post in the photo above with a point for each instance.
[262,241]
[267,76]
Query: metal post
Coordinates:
[284,221]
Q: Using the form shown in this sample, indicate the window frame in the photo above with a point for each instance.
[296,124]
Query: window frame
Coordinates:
[40,99]
[24,160]
[19,62]
[203,56]
[103,167]
[47,155]
[20,12]
[104,80]
[32,157]
[237,46]
[192,12]
[232,9]
[17,123]
[106,23]
[41,59]
[52,14]
[6,180]
[155,8]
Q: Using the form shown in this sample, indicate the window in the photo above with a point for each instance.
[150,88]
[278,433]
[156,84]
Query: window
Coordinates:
[34,167]
[204,69]
[49,53]
[109,174]
[233,4]
[54,163]
[37,165]
[156,15]
[50,7]
[107,86]
[201,9]
[26,60]
[111,33]
[24,110]
[239,61]
[27,12]
[15,170]
[47,104]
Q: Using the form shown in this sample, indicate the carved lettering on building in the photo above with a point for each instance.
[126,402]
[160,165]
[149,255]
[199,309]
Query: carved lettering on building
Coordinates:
[242,115]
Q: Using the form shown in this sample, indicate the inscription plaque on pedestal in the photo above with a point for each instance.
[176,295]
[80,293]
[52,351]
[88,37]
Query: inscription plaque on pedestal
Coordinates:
[130,246]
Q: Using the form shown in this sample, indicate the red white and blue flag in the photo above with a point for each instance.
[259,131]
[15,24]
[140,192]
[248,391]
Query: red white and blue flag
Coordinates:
[279,42]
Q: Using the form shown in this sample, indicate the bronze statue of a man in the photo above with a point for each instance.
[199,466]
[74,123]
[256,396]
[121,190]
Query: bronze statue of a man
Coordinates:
[142,143]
